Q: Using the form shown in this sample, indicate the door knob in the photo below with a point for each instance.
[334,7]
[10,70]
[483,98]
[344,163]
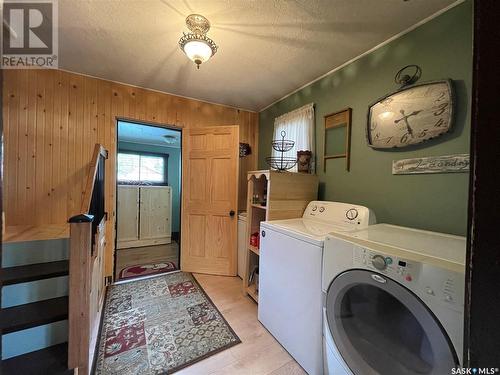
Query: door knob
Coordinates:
[231,213]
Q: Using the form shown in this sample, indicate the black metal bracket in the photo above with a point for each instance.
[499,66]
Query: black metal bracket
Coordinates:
[81,218]
[405,79]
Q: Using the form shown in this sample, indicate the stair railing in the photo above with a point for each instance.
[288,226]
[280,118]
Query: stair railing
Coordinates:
[86,268]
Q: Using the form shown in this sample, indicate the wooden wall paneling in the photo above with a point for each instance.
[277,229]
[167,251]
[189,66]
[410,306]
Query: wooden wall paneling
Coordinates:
[104,137]
[52,121]
[14,121]
[10,102]
[42,132]
[18,146]
[27,157]
[56,148]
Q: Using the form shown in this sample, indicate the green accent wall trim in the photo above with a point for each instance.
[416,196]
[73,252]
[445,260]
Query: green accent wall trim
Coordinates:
[442,47]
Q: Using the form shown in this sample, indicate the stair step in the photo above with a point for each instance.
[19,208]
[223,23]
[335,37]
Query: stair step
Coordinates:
[33,314]
[32,272]
[52,360]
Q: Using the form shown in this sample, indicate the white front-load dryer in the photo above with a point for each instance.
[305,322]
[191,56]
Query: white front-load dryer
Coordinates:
[393,302]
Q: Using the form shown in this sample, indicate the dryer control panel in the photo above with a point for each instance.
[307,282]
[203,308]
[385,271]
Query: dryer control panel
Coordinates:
[427,281]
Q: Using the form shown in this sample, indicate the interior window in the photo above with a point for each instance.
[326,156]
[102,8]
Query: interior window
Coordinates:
[299,127]
[142,169]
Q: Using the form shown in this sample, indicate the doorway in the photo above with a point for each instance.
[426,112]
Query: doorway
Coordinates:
[148,199]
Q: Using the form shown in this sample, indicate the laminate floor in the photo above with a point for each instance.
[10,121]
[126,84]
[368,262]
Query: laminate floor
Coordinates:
[259,353]
[146,255]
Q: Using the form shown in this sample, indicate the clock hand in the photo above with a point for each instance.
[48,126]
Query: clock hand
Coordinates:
[405,119]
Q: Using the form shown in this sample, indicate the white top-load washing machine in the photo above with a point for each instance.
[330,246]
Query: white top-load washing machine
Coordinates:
[394,301]
[290,298]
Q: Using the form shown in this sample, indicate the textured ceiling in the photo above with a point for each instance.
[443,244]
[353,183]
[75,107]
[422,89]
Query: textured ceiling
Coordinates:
[149,135]
[268,48]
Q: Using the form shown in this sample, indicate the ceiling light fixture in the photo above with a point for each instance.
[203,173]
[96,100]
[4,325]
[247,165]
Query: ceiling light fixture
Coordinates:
[170,139]
[197,46]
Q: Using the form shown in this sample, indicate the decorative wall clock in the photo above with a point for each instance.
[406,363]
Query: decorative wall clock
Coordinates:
[411,115]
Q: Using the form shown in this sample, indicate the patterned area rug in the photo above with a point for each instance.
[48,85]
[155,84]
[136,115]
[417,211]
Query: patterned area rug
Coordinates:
[146,270]
[160,325]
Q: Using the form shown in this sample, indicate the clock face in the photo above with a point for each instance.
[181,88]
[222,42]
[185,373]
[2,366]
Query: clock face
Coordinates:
[411,115]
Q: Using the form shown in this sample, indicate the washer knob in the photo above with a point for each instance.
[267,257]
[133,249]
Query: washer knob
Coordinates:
[321,209]
[379,262]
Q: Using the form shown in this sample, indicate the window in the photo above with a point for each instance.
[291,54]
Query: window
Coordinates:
[299,127]
[142,169]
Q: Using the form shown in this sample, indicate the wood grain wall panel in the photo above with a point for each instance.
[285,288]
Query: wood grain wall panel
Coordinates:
[52,120]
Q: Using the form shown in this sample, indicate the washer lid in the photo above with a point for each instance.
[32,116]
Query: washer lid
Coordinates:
[311,231]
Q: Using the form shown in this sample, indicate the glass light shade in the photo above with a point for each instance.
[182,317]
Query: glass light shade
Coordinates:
[197,51]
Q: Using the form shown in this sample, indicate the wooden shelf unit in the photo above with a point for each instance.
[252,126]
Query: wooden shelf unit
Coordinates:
[254,249]
[288,194]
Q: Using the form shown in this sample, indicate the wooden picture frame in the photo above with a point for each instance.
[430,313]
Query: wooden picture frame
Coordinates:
[337,120]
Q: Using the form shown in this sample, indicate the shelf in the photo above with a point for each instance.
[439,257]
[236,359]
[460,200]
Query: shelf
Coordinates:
[258,206]
[254,249]
[252,293]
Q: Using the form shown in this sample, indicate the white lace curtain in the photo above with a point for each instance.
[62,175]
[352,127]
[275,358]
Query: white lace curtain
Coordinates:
[299,127]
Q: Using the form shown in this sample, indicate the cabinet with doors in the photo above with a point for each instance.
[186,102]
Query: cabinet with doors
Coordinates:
[144,216]
[272,195]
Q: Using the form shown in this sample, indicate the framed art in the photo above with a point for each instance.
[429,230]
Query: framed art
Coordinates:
[337,140]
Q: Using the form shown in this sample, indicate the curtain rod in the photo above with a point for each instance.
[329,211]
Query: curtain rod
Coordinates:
[307,106]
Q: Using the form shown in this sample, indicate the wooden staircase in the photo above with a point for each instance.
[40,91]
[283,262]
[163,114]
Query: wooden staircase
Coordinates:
[52,303]
[21,317]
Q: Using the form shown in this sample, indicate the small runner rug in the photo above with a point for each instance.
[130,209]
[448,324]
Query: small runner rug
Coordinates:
[160,325]
[146,270]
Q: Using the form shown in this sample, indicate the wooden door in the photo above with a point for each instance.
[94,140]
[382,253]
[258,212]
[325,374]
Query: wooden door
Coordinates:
[127,228]
[210,200]
[155,213]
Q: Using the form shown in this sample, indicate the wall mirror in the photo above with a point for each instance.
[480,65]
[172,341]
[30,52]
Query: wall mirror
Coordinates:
[337,139]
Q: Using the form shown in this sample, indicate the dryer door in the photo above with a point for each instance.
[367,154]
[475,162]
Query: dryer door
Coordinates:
[380,327]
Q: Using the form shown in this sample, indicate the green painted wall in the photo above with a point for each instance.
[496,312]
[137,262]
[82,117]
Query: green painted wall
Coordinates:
[174,173]
[443,49]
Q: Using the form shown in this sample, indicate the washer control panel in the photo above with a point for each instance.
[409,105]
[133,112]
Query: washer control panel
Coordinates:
[396,268]
[427,281]
[352,216]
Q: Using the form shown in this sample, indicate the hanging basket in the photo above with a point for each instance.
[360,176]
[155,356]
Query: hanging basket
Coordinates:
[281,163]
[283,145]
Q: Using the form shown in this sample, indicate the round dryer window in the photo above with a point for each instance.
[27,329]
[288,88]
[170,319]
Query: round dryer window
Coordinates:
[380,327]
